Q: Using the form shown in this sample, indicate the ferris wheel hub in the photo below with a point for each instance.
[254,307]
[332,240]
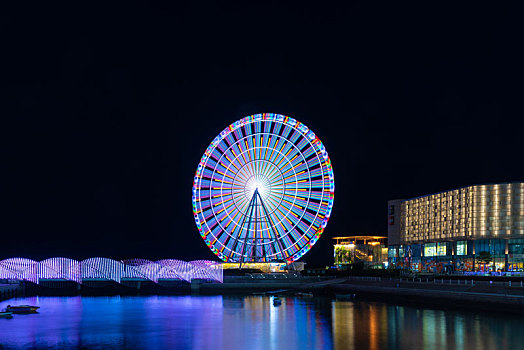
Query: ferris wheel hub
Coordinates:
[257,182]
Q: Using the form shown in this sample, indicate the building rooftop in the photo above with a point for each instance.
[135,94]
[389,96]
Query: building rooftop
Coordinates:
[462,187]
[361,237]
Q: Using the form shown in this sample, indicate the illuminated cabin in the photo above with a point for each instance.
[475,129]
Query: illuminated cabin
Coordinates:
[371,250]
[476,228]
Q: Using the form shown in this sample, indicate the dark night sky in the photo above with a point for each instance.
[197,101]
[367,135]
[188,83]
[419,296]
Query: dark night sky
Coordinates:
[106,111]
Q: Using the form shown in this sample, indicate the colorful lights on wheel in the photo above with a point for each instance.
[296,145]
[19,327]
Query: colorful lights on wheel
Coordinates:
[288,165]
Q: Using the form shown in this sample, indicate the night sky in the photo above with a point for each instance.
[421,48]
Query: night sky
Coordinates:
[107,109]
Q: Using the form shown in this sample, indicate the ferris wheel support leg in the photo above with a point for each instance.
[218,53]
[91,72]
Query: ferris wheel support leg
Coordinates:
[240,233]
[244,246]
[247,231]
[254,239]
[277,235]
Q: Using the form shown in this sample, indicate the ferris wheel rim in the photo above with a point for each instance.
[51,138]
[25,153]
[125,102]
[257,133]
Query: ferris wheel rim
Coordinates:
[323,203]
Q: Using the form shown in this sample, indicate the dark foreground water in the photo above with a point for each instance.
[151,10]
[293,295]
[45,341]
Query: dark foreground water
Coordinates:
[253,322]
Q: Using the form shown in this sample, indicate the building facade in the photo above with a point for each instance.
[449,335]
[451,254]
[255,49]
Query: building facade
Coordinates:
[475,228]
[370,250]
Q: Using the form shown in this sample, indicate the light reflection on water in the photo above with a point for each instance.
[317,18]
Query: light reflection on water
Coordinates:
[363,325]
[230,322]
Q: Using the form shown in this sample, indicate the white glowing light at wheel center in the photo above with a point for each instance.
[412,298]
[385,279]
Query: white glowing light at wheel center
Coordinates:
[260,183]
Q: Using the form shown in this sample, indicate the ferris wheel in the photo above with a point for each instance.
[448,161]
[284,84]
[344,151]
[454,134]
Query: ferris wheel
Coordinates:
[263,190]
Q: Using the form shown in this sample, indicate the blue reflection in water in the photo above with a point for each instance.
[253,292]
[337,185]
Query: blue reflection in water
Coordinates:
[166,322]
[253,322]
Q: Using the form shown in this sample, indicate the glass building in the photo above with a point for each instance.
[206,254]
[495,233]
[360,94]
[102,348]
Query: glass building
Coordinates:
[475,228]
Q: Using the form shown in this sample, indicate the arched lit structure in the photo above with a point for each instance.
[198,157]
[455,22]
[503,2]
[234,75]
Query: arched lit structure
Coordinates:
[19,269]
[109,270]
[59,268]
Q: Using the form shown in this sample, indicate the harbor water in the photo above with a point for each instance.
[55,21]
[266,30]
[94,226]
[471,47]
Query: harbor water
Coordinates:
[250,322]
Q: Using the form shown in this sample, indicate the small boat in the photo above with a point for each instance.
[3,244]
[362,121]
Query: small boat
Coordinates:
[304,295]
[22,309]
[345,296]
[277,301]
[6,314]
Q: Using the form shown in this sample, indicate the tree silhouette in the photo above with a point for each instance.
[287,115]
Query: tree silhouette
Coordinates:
[484,257]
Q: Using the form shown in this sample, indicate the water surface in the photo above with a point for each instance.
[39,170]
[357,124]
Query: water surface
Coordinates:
[253,322]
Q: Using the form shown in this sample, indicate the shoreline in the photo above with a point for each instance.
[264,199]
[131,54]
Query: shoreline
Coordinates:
[477,295]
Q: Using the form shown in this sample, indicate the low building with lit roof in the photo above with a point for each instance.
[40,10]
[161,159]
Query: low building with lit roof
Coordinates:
[371,250]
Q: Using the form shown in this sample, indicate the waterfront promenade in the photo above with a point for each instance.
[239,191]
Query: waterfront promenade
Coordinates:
[9,290]
[488,294]
[261,282]
[494,294]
